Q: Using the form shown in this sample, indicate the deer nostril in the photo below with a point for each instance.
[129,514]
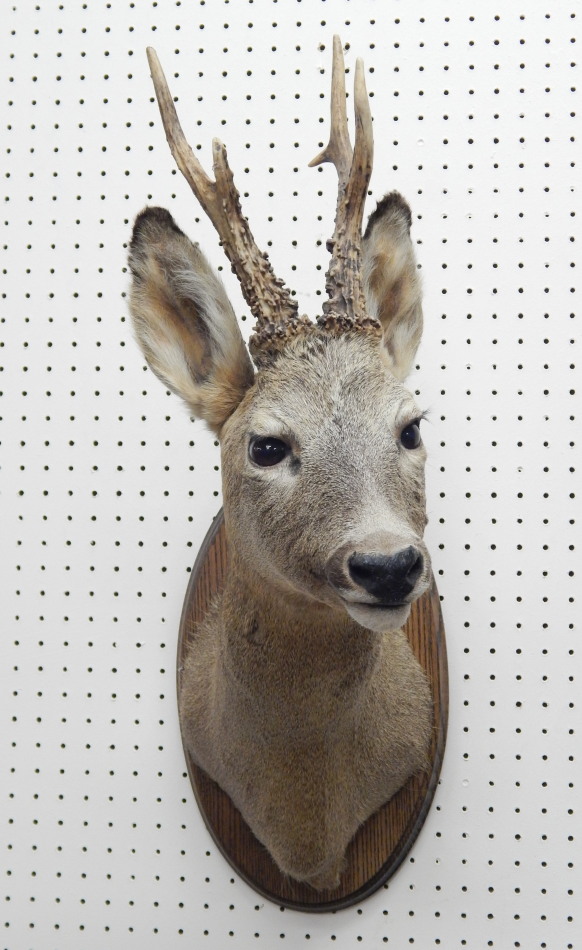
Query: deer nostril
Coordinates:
[388,577]
[416,568]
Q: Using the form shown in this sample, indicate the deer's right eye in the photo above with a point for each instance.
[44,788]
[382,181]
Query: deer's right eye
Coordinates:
[267,450]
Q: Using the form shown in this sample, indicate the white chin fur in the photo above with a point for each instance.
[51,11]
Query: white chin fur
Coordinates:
[377,619]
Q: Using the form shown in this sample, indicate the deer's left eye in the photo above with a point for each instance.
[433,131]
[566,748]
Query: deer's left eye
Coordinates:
[410,436]
[267,450]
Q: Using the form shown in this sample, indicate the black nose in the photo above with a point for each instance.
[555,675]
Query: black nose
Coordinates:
[389,578]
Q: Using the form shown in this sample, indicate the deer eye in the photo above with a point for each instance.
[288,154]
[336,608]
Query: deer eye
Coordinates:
[267,450]
[410,436]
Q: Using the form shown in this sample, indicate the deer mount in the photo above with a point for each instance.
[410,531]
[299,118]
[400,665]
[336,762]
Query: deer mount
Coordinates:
[300,695]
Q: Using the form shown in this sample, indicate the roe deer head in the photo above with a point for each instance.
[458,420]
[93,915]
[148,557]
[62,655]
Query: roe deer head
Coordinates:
[301,696]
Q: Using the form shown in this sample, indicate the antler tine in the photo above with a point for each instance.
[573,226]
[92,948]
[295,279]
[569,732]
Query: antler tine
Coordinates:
[363,158]
[339,149]
[269,300]
[346,305]
[202,186]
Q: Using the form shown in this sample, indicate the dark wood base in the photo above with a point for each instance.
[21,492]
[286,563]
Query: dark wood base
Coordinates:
[382,843]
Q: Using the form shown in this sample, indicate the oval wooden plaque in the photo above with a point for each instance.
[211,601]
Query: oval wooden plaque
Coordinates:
[382,843]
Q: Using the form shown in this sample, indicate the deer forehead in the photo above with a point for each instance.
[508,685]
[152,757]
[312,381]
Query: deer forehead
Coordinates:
[339,383]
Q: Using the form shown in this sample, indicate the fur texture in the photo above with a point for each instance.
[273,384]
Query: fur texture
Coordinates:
[183,319]
[391,281]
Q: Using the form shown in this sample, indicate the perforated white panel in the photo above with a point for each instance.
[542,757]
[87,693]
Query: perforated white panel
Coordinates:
[108,488]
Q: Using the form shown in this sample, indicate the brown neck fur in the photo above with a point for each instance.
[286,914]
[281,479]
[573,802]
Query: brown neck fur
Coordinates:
[308,664]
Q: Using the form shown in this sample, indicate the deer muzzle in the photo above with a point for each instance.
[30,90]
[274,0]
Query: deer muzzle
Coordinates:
[378,586]
[388,578]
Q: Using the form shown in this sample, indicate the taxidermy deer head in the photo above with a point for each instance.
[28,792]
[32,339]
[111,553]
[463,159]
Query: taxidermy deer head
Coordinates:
[301,697]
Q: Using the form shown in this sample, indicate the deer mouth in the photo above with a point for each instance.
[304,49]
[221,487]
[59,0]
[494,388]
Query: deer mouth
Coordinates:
[378,617]
[377,605]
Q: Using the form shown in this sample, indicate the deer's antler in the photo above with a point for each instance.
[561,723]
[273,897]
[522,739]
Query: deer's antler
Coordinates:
[346,307]
[269,300]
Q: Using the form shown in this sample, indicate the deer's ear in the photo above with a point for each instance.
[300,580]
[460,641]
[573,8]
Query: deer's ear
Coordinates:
[391,281]
[183,320]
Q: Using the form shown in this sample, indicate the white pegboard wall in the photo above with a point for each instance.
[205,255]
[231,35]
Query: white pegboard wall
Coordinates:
[108,488]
